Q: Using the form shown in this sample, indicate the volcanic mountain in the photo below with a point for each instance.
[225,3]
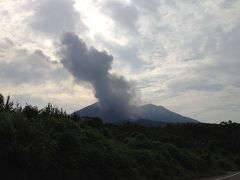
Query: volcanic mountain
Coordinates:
[143,113]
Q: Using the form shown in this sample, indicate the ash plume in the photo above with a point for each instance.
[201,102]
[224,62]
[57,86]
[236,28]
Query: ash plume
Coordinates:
[114,93]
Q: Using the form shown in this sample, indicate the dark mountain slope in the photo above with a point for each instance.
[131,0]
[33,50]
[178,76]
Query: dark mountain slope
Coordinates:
[146,112]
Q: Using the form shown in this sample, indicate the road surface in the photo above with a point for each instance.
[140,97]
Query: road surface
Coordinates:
[229,176]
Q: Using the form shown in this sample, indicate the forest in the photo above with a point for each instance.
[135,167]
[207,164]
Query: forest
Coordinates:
[48,143]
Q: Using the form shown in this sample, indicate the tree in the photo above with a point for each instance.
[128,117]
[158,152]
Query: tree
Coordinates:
[30,111]
[6,106]
[1,102]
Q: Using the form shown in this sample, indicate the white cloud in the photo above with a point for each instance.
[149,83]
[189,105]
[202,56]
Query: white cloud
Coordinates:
[54,16]
[123,14]
[182,54]
[30,76]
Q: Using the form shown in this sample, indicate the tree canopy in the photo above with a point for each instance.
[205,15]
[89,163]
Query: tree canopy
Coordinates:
[50,144]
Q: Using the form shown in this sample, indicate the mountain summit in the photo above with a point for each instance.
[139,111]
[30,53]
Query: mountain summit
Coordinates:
[144,112]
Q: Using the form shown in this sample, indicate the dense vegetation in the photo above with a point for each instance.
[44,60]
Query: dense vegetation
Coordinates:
[49,144]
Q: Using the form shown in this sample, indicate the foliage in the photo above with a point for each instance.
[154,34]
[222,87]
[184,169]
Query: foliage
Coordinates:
[49,144]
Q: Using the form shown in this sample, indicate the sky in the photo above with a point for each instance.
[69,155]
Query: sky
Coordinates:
[183,55]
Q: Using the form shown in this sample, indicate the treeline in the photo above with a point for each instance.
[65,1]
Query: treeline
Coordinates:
[50,144]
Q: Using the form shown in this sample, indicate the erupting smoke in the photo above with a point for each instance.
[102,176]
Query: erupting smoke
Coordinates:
[114,93]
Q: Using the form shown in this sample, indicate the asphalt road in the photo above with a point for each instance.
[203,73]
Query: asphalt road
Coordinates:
[229,176]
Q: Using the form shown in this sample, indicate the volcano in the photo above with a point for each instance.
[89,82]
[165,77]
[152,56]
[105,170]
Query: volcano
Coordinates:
[148,112]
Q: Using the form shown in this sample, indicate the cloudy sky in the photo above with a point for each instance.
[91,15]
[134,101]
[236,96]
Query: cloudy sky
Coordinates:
[184,55]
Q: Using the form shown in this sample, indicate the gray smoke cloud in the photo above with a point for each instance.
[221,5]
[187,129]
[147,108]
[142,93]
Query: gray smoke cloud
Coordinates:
[114,93]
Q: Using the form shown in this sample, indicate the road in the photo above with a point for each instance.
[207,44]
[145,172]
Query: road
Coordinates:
[229,176]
